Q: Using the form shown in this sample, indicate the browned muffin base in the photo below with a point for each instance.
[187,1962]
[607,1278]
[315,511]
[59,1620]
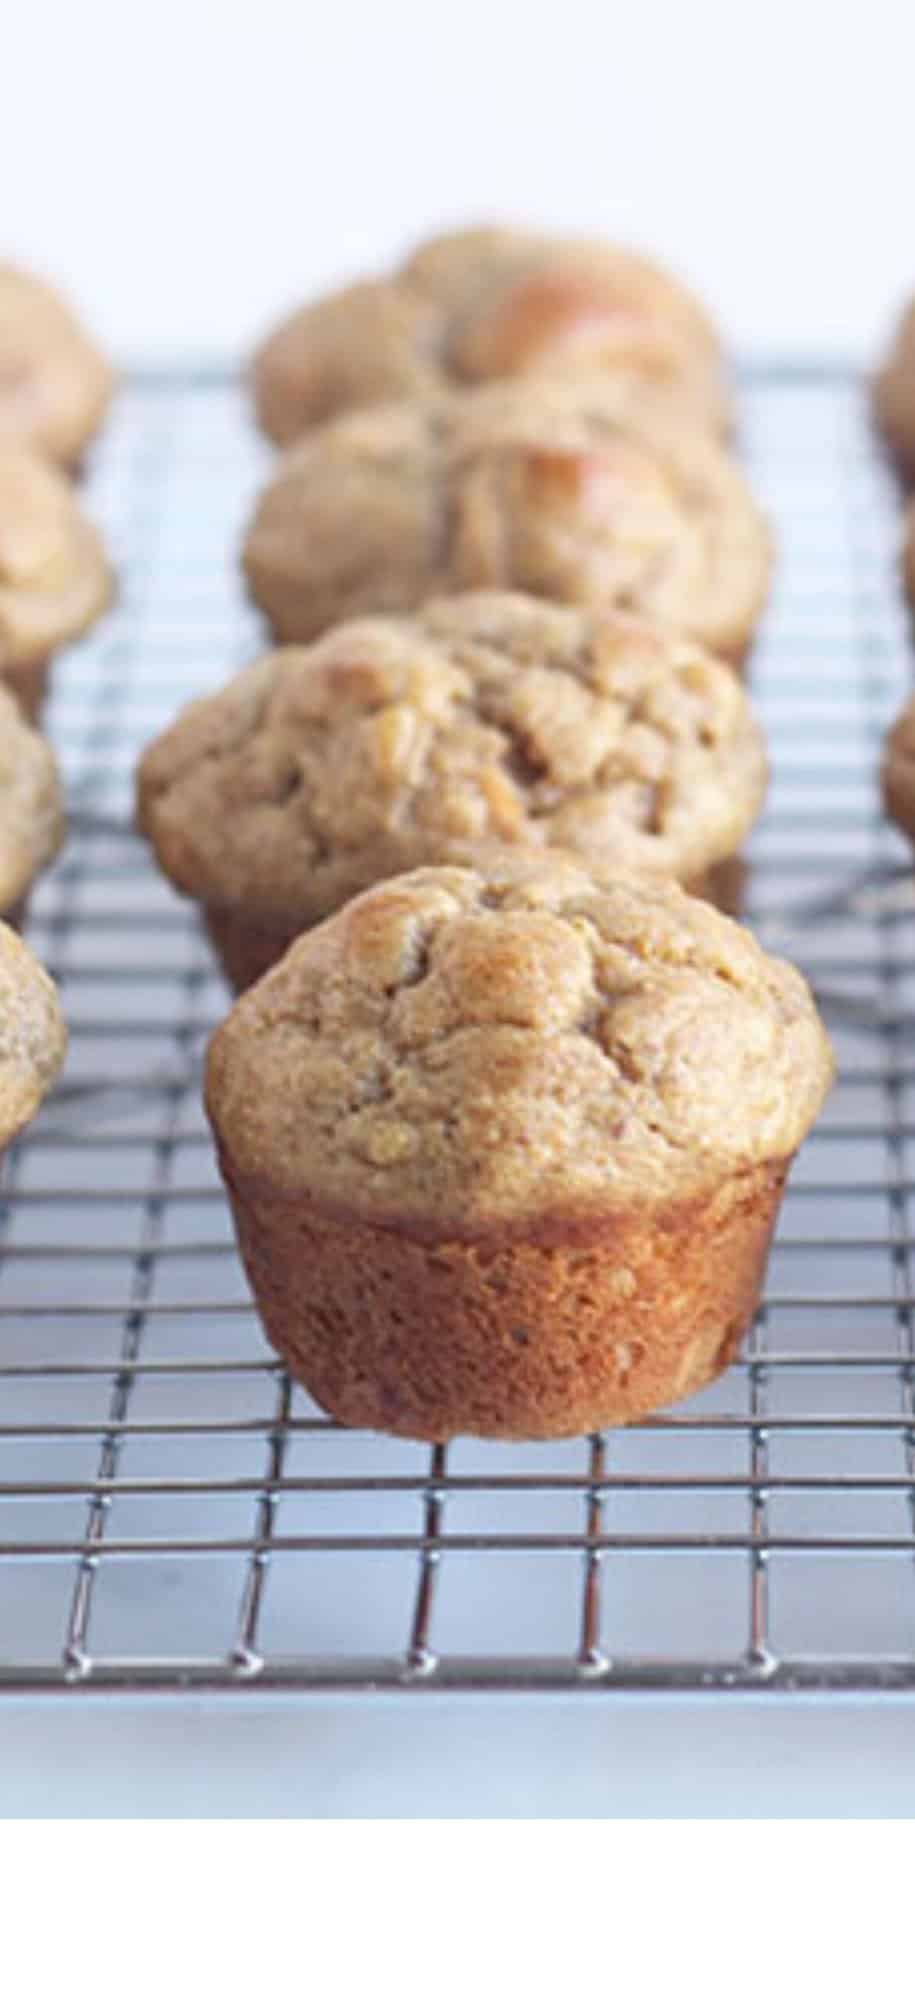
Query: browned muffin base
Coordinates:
[247,949]
[515,1336]
[29,684]
[724,885]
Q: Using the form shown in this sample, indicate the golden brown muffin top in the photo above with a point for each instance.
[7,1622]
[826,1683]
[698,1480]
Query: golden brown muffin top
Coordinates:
[33,1038]
[396,741]
[31,803]
[54,575]
[481,304]
[554,488]
[55,386]
[468,1052]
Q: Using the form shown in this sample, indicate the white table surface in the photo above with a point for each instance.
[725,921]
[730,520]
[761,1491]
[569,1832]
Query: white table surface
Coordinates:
[466,1757]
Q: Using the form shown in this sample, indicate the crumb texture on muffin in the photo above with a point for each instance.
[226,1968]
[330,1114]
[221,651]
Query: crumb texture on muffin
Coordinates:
[394,742]
[480,305]
[55,385]
[32,1034]
[54,575]
[31,803]
[458,1052]
[556,488]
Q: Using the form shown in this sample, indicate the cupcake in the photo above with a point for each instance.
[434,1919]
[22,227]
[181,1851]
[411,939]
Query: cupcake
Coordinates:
[33,1038]
[395,742]
[482,305]
[505,1151]
[550,487]
[31,807]
[55,385]
[55,579]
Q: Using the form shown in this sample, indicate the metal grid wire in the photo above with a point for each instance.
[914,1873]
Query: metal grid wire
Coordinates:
[172,1513]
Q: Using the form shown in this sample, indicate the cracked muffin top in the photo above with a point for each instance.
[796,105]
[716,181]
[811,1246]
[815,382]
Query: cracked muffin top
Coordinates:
[471,1051]
[54,574]
[55,385]
[396,741]
[31,803]
[481,304]
[33,1038]
[541,486]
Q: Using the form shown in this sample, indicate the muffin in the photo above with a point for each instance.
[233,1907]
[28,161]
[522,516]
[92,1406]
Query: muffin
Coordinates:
[542,486]
[33,1038]
[894,393]
[395,742]
[55,386]
[54,574]
[31,807]
[505,1151]
[483,304]
[907,563]
[897,772]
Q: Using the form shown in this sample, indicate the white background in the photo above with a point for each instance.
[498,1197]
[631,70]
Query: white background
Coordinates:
[188,171]
[191,169]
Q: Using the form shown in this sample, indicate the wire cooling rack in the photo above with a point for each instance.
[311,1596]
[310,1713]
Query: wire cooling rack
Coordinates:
[172,1513]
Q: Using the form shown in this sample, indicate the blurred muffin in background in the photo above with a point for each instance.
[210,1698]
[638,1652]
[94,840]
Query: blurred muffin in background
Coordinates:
[31,807]
[55,384]
[897,771]
[893,393]
[33,1038]
[907,554]
[483,304]
[562,489]
[55,578]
